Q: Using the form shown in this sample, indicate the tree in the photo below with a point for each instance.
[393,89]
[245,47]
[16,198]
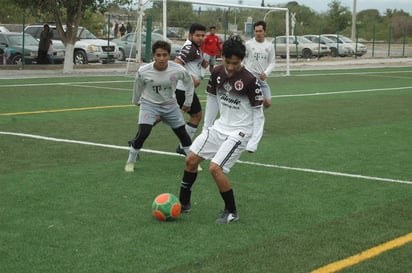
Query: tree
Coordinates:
[68,13]
[338,17]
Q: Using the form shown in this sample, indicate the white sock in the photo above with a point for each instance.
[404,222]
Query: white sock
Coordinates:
[133,153]
[186,149]
[190,130]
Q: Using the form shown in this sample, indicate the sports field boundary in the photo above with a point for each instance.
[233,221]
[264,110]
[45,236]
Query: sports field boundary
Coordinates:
[357,176]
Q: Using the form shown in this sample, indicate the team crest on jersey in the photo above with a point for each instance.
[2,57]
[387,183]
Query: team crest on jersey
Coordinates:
[227,86]
[239,85]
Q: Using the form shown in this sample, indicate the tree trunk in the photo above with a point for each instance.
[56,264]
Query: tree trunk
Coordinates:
[68,59]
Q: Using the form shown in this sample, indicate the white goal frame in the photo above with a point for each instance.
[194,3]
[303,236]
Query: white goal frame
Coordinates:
[269,10]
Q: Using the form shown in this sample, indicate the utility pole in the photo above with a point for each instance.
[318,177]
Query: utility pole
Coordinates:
[353,36]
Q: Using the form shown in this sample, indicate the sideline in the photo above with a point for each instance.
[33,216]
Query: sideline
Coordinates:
[365,255]
[66,110]
[380,179]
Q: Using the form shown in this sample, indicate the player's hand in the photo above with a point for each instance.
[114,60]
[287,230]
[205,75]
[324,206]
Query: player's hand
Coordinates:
[205,64]
[196,82]
[263,76]
[185,108]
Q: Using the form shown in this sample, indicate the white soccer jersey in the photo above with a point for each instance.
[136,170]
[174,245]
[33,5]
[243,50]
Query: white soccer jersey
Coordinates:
[237,97]
[260,57]
[192,59]
[158,87]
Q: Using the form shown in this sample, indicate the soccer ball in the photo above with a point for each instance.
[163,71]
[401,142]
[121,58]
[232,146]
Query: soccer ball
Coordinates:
[166,207]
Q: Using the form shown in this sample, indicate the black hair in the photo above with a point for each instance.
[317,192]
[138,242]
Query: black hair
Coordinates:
[234,46]
[161,44]
[195,27]
[260,23]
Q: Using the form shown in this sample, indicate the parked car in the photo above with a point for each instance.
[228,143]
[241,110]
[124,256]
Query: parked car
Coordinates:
[358,49]
[3,29]
[87,49]
[170,33]
[12,43]
[336,49]
[299,46]
[128,42]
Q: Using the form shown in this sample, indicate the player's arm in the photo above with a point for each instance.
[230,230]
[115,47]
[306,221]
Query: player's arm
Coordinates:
[137,90]
[179,61]
[258,124]
[212,108]
[189,91]
[272,61]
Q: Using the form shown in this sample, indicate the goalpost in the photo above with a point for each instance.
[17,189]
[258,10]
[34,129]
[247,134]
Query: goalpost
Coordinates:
[269,10]
[202,3]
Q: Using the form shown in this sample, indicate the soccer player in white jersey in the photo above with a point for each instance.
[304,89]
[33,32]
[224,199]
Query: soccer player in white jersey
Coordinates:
[191,58]
[234,93]
[260,59]
[154,92]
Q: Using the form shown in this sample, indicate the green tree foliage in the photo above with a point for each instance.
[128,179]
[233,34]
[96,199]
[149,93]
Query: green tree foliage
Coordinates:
[338,17]
[178,14]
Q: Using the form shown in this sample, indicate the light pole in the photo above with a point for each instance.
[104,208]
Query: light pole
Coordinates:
[353,21]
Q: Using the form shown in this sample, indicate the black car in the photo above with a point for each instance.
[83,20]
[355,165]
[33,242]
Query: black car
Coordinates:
[11,43]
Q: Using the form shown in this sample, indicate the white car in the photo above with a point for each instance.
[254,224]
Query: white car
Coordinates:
[3,29]
[336,49]
[87,49]
[299,46]
[357,48]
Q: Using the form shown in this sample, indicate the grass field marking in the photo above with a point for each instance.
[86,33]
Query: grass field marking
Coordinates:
[102,87]
[329,173]
[365,255]
[351,73]
[61,83]
[66,110]
[342,92]
[239,161]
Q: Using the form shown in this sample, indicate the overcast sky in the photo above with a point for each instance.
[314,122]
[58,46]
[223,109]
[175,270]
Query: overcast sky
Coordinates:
[322,5]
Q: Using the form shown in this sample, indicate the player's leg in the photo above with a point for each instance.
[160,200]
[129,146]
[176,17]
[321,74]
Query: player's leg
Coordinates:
[203,147]
[267,94]
[195,114]
[173,117]
[147,117]
[212,63]
[227,155]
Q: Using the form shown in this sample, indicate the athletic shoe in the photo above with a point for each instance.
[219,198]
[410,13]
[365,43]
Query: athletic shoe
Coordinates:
[179,150]
[186,208]
[199,169]
[129,167]
[227,217]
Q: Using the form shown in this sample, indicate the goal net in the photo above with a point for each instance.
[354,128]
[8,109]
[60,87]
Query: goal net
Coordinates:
[170,19]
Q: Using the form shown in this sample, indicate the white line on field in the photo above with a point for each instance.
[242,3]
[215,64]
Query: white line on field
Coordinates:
[242,162]
[63,83]
[342,92]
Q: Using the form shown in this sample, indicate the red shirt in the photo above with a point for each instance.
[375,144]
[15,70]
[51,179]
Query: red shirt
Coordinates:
[212,45]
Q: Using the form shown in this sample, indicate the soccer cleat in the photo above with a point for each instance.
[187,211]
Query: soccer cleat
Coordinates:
[179,150]
[129,167]
[227,217]
[186,208]
[199,169]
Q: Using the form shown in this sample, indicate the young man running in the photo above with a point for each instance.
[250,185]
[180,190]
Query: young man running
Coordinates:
[260,59]
[191,58]
[234,93]
[154,92]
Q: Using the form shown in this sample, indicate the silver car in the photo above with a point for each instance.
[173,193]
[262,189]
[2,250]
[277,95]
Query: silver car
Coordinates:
[336,49]
[127,46]
[299,46]
[87,48]
[358,49]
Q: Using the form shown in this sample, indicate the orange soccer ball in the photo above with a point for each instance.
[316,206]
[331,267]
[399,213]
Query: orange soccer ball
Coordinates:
[166,207]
